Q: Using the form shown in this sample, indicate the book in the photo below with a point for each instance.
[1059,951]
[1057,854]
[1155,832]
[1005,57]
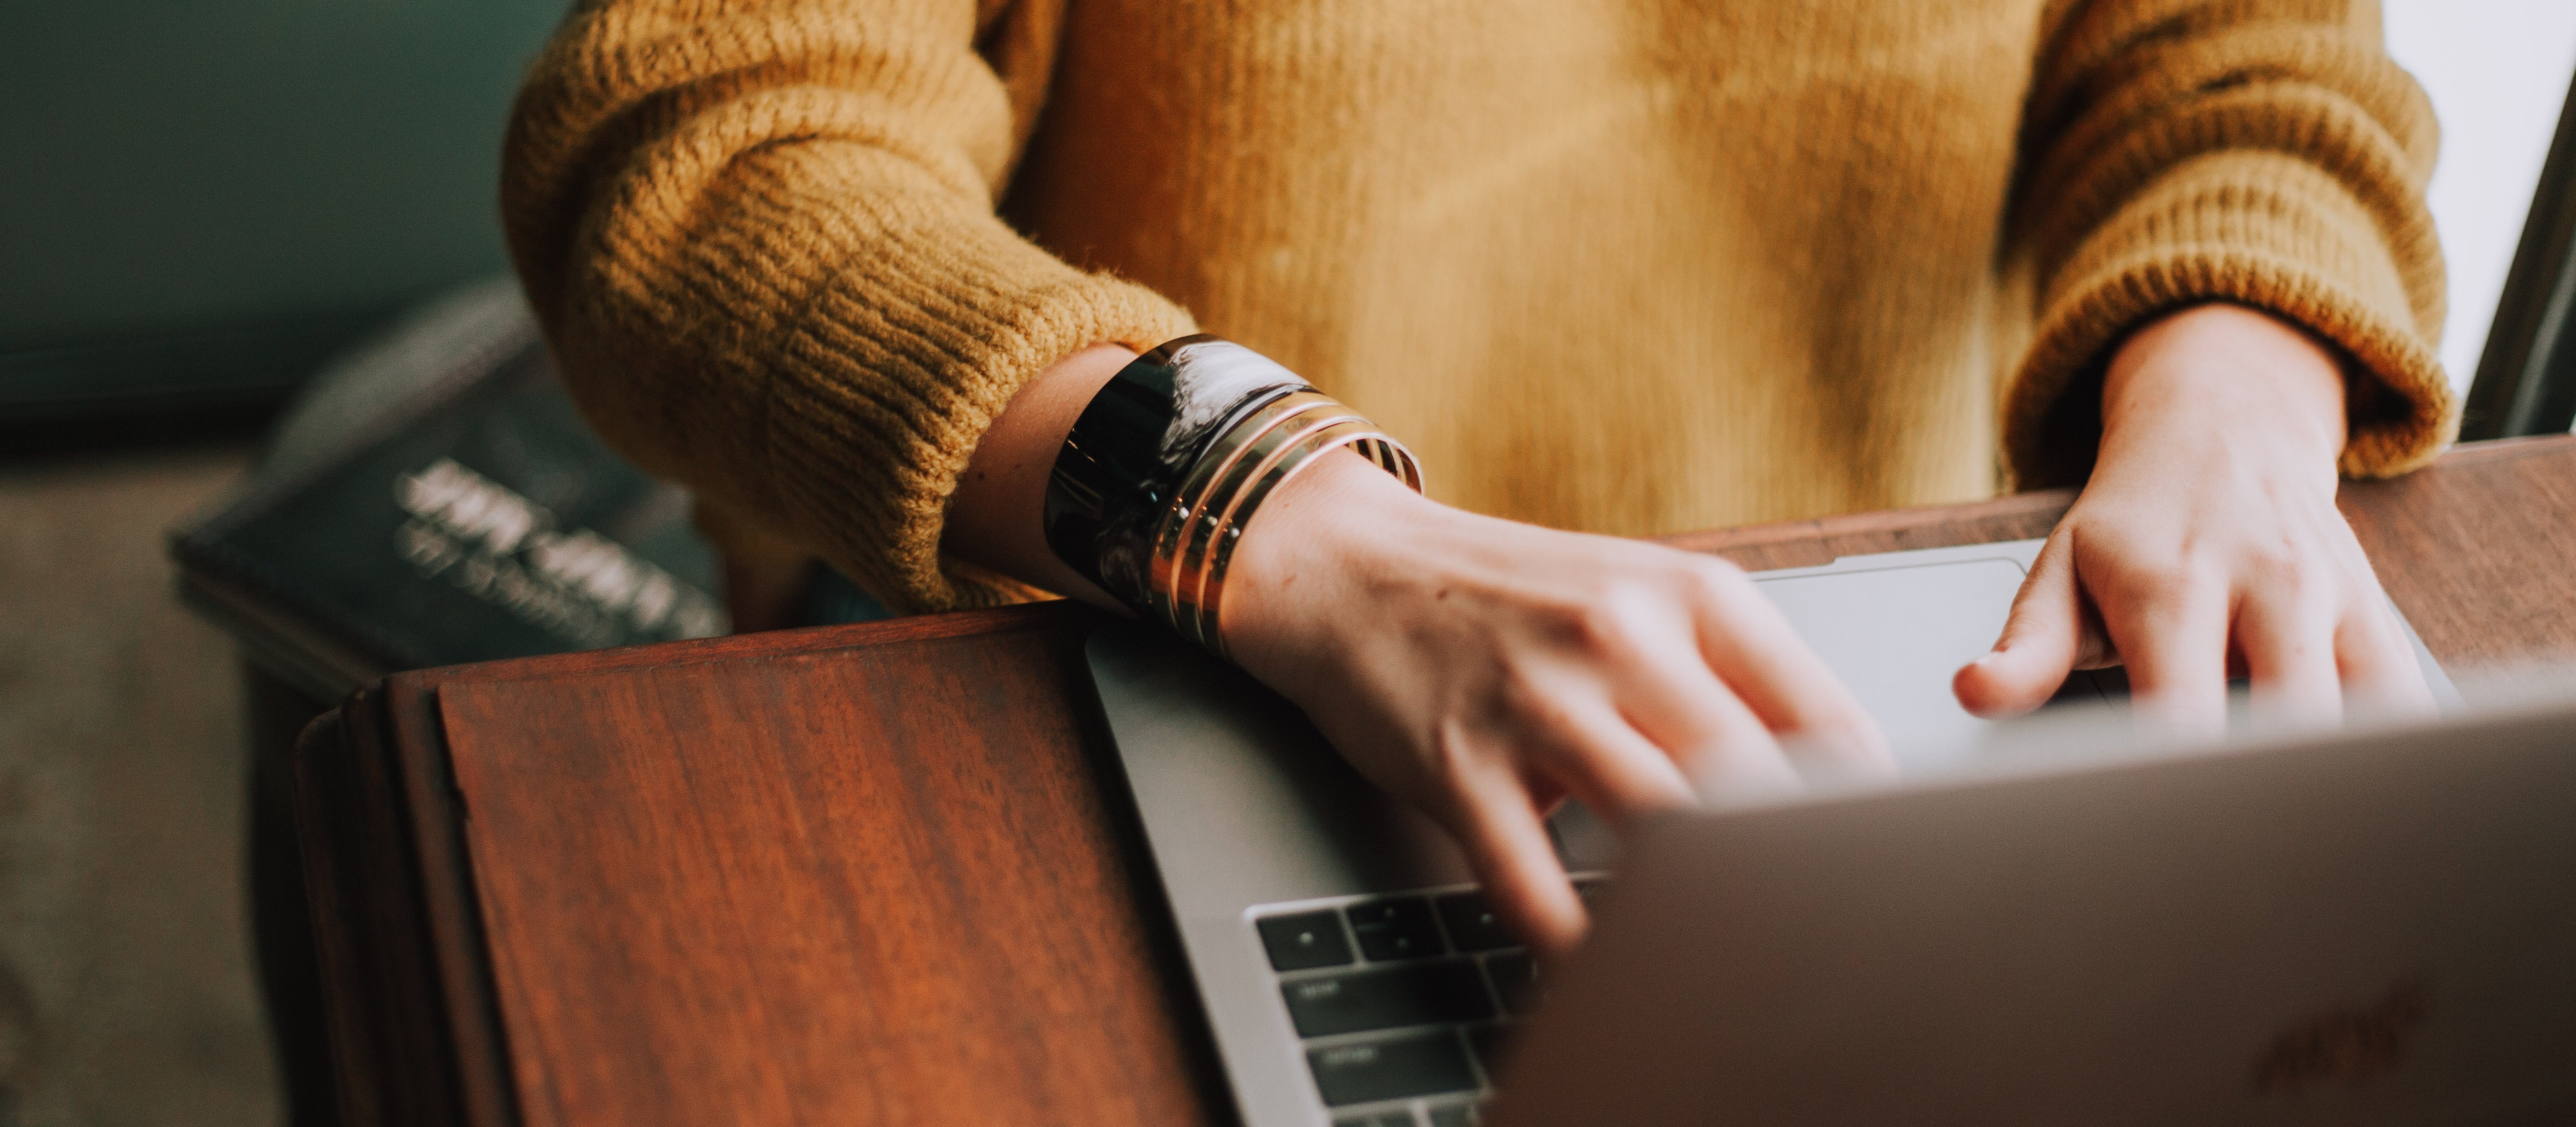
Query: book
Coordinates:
[437,499]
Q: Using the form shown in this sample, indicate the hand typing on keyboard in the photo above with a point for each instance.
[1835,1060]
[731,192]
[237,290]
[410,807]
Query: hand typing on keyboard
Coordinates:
[1485,669]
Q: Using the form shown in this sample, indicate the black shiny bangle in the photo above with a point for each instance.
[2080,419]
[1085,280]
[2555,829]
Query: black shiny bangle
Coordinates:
[1124,462]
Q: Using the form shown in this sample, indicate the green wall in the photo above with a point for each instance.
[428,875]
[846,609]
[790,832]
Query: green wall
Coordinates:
[177,166]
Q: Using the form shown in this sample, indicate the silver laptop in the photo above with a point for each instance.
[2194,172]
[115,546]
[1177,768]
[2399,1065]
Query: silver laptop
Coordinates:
[2113,936]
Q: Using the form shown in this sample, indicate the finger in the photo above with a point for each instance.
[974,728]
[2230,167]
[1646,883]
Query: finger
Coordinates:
[1678,703]
[2288,642]
[2171,626]
[1772,678]
[2380,671]
[1588,746]
[1507,843]
[2042,642]
[1724,751]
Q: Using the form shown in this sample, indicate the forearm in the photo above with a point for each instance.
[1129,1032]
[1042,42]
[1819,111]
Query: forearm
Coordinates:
[996,519]
[769,267]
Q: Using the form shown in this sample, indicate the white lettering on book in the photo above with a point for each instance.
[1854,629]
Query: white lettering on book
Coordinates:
[490,542]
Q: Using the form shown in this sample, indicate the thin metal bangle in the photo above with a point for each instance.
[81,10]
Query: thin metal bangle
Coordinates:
[1207,482]
[1244,460]
[1191,592]
[1389,454]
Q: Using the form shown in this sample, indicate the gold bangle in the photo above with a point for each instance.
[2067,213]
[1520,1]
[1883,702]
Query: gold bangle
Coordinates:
[1191,568]
[1350,430]
[1247,463]
[1203,492]
[1193,542]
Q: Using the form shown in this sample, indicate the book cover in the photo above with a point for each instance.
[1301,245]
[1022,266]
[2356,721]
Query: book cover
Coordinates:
[463,512]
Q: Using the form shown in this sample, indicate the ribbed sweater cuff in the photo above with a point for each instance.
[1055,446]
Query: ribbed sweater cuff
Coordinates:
[907,372]
[2295,246]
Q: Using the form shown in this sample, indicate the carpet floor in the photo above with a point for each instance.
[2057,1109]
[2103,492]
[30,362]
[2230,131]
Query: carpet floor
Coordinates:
[126,990]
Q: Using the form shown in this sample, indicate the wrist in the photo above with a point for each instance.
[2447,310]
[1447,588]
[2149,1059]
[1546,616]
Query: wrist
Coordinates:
[2219,370]
[1171,462]
[1319,528]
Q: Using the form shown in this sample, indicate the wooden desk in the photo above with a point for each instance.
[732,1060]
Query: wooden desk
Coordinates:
[885,874]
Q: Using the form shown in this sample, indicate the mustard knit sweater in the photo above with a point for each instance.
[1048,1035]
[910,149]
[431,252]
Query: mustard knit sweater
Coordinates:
[1633,267]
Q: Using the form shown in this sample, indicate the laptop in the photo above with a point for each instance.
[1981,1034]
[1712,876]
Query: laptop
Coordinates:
[1994,940]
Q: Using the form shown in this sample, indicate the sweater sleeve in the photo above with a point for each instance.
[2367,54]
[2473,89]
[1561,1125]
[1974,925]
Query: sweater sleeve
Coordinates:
[760,235]
[2263,152]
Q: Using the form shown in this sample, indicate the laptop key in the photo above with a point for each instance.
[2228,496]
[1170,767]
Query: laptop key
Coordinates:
[1304,941]
[1420,1064]
[1516,981]
[1422,994]
[1395,929]
[1473,926]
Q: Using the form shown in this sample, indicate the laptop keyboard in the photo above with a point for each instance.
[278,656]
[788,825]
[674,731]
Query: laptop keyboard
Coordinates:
[1403,1003]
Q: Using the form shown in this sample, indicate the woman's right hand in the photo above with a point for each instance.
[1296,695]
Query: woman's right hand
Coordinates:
[1484,669]
[1479,668]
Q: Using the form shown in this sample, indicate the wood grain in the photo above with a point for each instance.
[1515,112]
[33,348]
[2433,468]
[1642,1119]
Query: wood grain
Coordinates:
[2480,552]
[885,873]
[890,854]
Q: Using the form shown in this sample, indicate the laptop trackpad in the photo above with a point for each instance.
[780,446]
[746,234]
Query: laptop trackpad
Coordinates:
[1895,635]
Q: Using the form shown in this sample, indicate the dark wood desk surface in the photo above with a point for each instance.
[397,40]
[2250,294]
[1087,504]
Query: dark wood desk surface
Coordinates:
[884,874]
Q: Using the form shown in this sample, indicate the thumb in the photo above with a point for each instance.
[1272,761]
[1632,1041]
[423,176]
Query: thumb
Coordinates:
[2040,645]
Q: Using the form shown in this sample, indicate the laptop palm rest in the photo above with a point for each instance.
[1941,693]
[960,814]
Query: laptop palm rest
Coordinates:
[1271,812]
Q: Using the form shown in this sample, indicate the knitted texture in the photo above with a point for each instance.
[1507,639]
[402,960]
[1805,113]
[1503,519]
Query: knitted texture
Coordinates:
[1633,268]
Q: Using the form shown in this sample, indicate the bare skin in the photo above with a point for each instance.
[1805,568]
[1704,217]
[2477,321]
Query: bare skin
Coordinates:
[1485,669]
[2207,541]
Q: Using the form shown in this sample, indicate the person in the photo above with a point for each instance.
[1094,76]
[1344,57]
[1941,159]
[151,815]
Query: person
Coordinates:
[855,271]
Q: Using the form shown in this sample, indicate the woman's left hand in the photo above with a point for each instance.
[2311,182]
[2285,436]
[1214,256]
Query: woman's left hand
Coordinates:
[2207,542]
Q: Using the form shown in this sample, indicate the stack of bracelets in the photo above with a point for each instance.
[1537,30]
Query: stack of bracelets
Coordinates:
[1169,462]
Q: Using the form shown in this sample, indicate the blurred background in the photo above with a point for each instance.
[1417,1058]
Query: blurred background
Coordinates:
[200,205]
